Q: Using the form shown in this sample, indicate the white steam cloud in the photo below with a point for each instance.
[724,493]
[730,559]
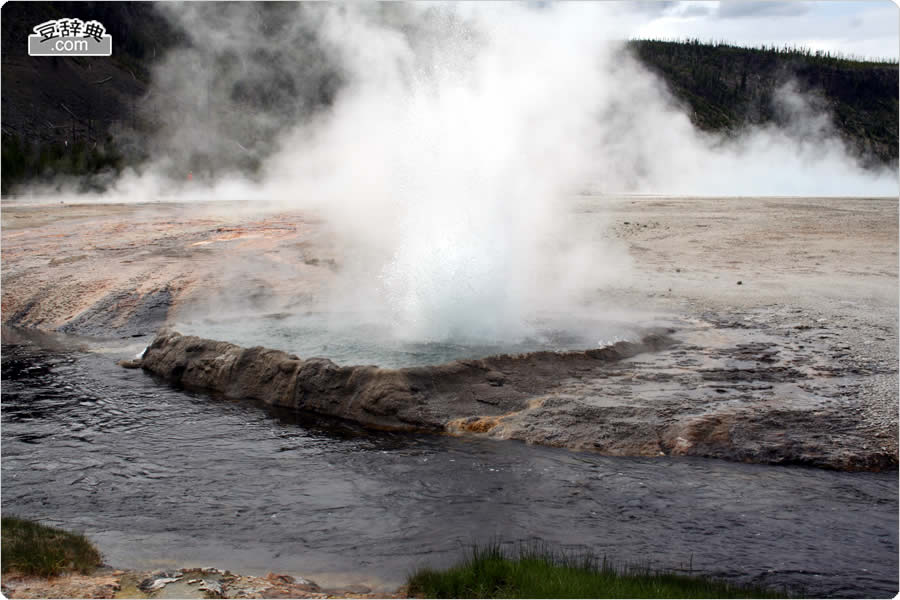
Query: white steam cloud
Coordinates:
[453,176]
[446,145]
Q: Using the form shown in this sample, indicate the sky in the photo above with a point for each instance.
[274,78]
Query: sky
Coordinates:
[864,28]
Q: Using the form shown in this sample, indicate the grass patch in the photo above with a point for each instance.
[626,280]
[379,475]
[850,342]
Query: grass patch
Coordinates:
[538,572]
[30,548]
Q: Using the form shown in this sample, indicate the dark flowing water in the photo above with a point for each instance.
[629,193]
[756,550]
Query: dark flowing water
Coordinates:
[161,477]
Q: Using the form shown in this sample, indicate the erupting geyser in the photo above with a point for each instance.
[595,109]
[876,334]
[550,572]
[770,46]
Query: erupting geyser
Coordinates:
[446,145]
[448,165]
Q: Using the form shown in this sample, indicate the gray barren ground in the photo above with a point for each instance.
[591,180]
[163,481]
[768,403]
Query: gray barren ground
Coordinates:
[784,311]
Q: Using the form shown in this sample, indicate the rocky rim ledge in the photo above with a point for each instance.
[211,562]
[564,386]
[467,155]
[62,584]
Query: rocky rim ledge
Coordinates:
[580,400]
[432,398]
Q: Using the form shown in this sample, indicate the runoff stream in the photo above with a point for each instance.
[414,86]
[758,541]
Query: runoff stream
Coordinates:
[160,477]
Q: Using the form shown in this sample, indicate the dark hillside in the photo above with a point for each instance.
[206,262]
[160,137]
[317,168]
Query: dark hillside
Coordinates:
[44,98]
[726,88]
[59,114]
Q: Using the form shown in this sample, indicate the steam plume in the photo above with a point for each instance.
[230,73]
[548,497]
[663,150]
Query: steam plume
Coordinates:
[446,144]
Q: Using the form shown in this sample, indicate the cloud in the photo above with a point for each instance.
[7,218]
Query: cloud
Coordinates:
[694,10]
[733,9]
[648,7]
[857,27]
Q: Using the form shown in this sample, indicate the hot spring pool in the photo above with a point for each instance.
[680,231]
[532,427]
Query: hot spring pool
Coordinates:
[347,339]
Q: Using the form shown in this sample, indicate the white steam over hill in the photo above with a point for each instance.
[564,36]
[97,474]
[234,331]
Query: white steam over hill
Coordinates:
[450,153]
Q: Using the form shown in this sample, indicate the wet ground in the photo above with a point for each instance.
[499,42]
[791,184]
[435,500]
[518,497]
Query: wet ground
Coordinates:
[774,384]
[160,478]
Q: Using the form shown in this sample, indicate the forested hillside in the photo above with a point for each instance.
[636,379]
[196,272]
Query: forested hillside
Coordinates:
[725,88]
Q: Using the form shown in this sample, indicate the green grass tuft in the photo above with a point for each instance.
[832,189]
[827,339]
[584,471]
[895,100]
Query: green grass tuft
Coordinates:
[538,572]
[30,548]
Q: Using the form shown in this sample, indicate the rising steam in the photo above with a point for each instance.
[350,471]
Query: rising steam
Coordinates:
[449,161]
[445,145]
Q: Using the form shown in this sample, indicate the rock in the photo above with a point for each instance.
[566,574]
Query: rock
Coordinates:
[474,424]
[104,585]
[145,313]
[719,403]
[495,378]
[158,580]
[410,399]
[130,364]
[209,571]
[272,586]
[211,586]
[740,283]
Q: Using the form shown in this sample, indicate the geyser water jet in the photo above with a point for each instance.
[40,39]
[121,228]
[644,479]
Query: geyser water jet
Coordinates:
[453,179]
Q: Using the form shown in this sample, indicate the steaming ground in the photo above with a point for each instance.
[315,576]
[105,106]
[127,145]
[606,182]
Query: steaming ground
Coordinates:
[797,363]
